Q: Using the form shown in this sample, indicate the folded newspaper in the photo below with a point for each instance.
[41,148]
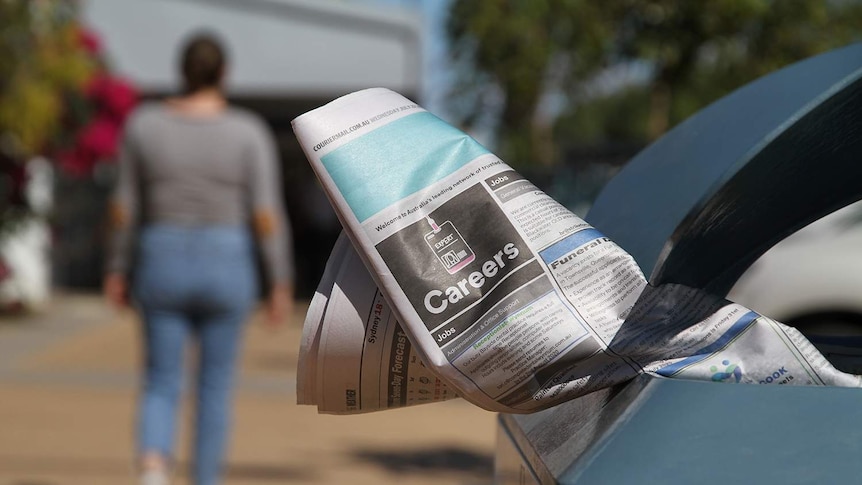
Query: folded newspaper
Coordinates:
[459,277]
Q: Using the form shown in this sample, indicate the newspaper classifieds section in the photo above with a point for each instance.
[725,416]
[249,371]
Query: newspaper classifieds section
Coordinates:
[542,219]
[595,275]
[601,280]
[503,318]
[484,297]
[594,280]
[473,234]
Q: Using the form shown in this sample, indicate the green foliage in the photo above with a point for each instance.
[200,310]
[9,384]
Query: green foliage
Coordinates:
[619,117]
[517,51]
[42,59]
[513,56]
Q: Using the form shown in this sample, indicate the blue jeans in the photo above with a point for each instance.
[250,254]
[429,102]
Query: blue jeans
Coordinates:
[201,283]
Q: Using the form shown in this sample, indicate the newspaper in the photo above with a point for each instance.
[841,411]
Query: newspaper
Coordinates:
[354,355]
[490,287]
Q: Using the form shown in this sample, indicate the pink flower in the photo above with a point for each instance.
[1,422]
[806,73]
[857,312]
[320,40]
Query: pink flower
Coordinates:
[89,40]
[75,162]
[99,138]
[96,142]
[114,95]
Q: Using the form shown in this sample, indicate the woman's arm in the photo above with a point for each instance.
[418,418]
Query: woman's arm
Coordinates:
[271,224]
[123,214]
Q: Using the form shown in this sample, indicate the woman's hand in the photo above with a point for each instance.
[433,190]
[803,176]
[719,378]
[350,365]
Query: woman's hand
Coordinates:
[116,290]
[279,305]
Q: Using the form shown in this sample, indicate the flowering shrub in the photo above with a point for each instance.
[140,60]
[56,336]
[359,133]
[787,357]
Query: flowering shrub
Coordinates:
[110,101]
[58,101]
[57,97]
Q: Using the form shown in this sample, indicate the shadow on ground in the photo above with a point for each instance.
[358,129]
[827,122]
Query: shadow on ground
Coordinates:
[446,461]
[13,318]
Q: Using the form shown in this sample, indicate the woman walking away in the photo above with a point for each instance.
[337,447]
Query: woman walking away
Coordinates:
[198,193]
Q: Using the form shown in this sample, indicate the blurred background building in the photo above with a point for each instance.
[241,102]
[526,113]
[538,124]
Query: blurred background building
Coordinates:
[286,57]
[564,91]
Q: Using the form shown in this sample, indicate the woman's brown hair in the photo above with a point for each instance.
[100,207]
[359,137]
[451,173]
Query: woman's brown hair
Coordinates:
[203,62]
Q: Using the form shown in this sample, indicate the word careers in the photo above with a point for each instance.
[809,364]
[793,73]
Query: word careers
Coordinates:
[436,302]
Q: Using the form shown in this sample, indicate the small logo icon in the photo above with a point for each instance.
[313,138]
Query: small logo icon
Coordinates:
[449,246]
[730,372]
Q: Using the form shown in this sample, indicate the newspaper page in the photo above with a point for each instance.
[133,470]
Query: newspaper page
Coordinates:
[705,337]
[673,331]
[312,329]
[354,356]
[512,300]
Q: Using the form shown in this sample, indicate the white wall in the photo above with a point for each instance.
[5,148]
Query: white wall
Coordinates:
[277,47]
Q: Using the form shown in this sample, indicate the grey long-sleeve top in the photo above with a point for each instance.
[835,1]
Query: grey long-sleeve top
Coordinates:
[200,170]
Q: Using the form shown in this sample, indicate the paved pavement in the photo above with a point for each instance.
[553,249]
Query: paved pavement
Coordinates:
[68,383]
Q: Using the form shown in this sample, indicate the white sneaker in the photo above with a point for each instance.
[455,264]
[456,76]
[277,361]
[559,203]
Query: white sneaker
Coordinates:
[154,477]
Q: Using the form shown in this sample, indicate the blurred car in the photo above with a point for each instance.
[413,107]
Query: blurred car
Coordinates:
[812,280]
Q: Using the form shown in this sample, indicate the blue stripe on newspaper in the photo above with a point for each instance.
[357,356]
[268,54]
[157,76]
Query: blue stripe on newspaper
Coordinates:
[569,244]
[397,160]
[704,353]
